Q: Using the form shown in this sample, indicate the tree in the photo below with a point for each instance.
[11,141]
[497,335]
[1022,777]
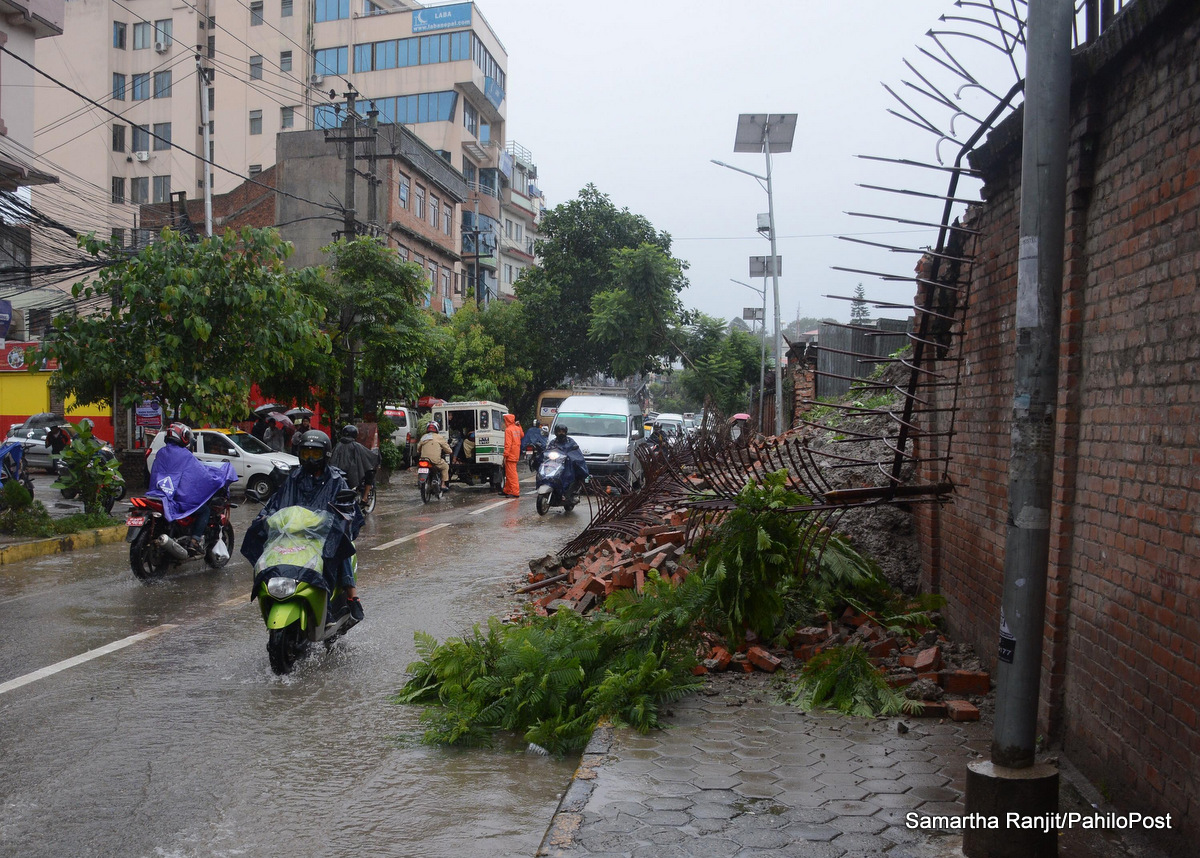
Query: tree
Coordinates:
[377,330]
[466,362]
[859,314]
[579,240]
[192,324]
[638,316]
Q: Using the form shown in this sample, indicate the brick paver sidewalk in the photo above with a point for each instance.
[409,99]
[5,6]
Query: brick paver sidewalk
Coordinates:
[737,776]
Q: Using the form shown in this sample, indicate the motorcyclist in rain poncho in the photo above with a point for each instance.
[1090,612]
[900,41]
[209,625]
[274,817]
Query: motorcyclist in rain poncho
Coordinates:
[184,484]
[315,486]
[355,461]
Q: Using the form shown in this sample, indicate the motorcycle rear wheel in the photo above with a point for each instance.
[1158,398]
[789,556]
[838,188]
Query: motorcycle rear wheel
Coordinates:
[543,504]
[144,558]
[425,492]
[369,506]
[284,646]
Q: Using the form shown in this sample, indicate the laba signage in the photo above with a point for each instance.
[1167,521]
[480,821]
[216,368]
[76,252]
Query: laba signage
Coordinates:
[441,18]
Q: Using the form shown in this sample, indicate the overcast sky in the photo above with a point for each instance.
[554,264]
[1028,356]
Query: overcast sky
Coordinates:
[638,97]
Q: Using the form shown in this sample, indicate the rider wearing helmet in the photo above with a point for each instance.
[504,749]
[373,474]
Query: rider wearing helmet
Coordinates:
[315,485]
[566,445]
[356,461]
[185,484]
[433,447]
[657,436]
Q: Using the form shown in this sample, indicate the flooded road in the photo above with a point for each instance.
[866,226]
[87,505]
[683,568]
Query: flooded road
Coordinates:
[173,738]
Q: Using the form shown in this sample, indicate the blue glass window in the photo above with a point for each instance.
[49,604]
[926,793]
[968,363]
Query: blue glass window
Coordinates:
[141,87]
[118,87]
[363,58]
[332,10]
[331,60]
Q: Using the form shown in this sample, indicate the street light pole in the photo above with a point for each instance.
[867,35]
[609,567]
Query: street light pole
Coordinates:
[754,134]
[762,335]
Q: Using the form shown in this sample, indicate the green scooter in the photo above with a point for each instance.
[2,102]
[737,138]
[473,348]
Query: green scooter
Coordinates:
[299,603]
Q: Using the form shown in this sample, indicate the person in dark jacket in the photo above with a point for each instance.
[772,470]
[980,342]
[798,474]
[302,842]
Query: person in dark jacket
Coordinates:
[565,444]
[314,485]
[57,439]
[355,460]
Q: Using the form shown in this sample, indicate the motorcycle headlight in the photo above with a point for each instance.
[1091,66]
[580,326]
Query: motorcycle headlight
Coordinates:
[281,588]
[552,455]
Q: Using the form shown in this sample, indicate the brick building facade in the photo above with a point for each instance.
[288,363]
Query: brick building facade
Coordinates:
[1121,673]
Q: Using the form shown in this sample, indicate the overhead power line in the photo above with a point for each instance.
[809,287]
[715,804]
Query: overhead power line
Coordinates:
[169,143]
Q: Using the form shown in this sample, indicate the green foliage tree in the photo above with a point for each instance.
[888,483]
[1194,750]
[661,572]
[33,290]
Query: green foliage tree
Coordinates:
[192,324]
[377,330]
[722,363]
[579,239]
[859,314]
[637,317]
[466,362]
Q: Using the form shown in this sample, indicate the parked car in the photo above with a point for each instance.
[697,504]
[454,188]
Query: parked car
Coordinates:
[405,437]
[32,436]
[251,458]
[672,424]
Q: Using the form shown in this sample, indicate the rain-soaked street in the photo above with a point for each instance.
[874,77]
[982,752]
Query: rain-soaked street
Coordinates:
[176,740]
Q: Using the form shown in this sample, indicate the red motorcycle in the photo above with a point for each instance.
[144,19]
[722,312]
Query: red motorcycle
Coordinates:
[156,545]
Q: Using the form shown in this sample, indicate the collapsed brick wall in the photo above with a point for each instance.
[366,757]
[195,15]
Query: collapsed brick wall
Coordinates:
[1121,679]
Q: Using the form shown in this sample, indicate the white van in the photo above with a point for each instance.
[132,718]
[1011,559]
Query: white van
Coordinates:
[607,430]
[405,436]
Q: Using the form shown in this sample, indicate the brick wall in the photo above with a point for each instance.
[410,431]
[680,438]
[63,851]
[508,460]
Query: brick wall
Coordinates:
[1121,680]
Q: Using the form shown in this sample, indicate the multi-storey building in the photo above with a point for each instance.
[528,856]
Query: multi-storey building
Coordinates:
[245,70]
[521,205]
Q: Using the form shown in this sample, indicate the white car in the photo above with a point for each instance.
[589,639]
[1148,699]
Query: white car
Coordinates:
[251,458]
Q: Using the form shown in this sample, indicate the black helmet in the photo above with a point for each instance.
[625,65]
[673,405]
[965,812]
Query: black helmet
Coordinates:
[560,429]
[314,450]
[350,432]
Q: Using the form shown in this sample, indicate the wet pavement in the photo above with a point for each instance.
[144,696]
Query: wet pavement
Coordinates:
[737,774]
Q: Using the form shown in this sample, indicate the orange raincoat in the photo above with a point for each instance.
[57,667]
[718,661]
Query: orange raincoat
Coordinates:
[512,455]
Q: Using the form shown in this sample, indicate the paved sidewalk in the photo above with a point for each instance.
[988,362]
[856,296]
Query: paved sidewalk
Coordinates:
[740,775]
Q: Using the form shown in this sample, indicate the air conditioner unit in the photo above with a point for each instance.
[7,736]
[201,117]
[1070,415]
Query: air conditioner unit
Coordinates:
[161,47]
[316,79]
[142,156]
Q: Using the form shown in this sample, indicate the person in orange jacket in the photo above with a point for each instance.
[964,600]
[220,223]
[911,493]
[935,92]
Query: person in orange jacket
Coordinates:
[512,455]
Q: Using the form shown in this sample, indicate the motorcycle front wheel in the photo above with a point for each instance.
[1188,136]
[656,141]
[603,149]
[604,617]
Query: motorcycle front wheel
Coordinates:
[369,506]
[284,646]
[543,504]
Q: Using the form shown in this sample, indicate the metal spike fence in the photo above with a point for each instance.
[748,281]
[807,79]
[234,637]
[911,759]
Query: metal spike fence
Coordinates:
[705,473]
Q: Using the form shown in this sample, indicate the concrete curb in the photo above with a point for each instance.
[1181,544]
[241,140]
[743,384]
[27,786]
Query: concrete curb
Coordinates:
[18,551]
[568,815]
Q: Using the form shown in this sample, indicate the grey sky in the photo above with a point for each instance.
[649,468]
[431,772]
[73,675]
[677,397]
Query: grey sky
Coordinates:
[637,97]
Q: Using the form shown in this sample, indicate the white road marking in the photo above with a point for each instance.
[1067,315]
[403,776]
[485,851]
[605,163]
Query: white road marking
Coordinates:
[484,509]
[44,672]
[411,536]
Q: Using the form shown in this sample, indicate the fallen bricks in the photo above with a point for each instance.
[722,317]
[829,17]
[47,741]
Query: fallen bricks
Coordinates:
[582,583]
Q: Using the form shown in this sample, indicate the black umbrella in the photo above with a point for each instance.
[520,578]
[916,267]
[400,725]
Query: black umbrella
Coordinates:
[266,408]
[299,413]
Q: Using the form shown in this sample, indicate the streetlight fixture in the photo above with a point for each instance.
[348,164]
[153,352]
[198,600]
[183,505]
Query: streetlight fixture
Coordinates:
[762,335]
[767,133]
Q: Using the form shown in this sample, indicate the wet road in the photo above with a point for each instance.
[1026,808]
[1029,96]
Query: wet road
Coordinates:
[173,738]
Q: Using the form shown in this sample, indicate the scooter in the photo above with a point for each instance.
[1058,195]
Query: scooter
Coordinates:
[299,603]
[154,542]
[556,483]
[429,479]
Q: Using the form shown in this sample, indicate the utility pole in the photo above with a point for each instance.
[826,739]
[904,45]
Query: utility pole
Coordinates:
[1012,781]
[372,151]
[348,225]
[202,75]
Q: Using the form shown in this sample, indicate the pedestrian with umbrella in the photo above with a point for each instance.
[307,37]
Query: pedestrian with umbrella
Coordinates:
[278,430]
[261,413]
[302,417]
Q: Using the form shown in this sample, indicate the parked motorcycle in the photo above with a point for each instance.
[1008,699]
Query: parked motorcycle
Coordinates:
[429,479]
[112,494]
[12,465]
[154,542]
[300,604]
[556,483]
